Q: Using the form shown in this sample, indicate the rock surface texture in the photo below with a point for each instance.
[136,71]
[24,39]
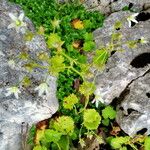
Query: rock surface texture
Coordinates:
[126,78]
[110,6]
[29,108]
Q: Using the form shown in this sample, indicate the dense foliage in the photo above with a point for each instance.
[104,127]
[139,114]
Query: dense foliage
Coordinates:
[81,116]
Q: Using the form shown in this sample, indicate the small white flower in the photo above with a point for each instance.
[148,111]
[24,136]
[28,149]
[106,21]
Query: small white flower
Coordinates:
[132,18]
[97,100]
[17,22]
[13,90]
[143,40]
[42,88]
[11,64]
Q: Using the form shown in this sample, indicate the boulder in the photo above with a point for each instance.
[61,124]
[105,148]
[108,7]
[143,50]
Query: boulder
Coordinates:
[17,115]
[109,6]
[126,69]
[136,5]
[133,113]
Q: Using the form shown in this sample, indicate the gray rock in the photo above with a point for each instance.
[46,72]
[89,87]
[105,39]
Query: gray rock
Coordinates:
[119,72]
[134,114]
[137,5]
[98,5]
[91,3]
[124,68]
[109,6]
[29,108]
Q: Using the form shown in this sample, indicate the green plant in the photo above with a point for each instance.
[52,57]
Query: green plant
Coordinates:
[108,113]
[68,31]
[91,119]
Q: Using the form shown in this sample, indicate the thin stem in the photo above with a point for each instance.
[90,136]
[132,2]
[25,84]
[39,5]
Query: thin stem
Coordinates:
[86,102]
[77,72]
[75,109]
[58,146]
[69,58]
[80,131]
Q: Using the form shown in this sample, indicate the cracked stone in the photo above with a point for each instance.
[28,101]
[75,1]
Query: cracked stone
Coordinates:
[135,113]
[124,68]
[119,71]
[29,108]
[109,6]
[136,5]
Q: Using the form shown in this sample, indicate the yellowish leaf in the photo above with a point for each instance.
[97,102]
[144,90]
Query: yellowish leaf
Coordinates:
[77,24]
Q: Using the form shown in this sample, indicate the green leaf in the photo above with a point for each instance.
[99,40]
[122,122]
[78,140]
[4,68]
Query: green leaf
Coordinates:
[125,8]
[108,112]
[88,36]
[52,136]
[32,133]
[64,143]
[100,58]
[123,148]
[85,70]
[87,24]
[64,125]
[105,122]
[117,142]
[87,88]
[70,101]
[56,65]
[39,148]
[82,59]
[88,46]
[91,119]
[147,143]
[54,41]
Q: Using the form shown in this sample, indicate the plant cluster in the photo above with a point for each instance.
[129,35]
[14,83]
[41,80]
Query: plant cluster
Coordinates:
[68,31]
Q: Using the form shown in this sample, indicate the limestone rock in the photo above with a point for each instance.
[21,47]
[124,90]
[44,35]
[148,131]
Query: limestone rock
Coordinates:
[134,111]
[91,3]
[136,5]
[127,69]
[109,6]
[119,72]
[29,108]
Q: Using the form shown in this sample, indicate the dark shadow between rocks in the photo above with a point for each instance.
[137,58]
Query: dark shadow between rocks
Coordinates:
[142,131]
[148,95]
[141,17]
[117,101]
[141,60]
[130,110]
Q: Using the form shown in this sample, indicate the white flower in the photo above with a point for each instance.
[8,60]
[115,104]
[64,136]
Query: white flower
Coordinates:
[11,64]
[143,40]
[17,22]
[97,100]
[13,90]
[132,18]
[42,88]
